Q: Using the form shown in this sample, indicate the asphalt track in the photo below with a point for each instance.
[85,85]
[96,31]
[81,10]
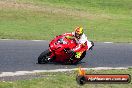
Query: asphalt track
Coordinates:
[21,55]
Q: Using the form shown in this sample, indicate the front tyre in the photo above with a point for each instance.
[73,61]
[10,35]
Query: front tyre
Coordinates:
[44,57]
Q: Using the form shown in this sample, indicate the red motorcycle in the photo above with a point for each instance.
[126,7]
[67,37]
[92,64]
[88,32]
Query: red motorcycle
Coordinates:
[58,51]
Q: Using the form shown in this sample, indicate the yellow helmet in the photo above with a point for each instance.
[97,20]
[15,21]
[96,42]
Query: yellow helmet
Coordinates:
[78,32]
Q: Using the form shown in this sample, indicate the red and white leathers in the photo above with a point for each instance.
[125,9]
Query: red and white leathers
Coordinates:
[82,43]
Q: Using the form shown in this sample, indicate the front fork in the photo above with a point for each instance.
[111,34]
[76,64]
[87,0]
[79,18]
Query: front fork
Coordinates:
[52,56]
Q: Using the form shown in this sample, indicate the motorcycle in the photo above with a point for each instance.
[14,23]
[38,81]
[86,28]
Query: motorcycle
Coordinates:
[58,51]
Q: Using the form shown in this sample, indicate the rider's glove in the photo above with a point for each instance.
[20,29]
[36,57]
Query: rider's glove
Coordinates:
[69,37]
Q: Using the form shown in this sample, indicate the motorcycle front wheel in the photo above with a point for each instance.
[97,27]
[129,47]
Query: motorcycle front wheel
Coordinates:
[44,57]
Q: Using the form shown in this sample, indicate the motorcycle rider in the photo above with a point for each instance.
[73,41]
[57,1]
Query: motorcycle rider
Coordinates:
[81,40]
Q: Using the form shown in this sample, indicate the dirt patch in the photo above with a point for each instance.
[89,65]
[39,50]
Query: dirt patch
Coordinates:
[23,77]
[51,9]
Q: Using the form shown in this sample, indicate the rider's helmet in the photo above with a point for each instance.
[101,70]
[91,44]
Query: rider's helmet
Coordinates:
[78,32]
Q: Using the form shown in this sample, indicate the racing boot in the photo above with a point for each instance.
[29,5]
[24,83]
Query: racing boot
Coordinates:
[78,55]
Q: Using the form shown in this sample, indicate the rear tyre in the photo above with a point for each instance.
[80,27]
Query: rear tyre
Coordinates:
[44,57]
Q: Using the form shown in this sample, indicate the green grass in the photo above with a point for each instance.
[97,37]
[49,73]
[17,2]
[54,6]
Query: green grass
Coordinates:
[65,80]
[103,20]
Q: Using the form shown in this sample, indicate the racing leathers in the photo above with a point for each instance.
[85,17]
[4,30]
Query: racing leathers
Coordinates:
[82,43]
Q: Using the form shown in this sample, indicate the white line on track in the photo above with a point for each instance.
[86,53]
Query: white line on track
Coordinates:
[18,73]
[22,40]
[6,39]
[47,40]
[37,40]
[108,42]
